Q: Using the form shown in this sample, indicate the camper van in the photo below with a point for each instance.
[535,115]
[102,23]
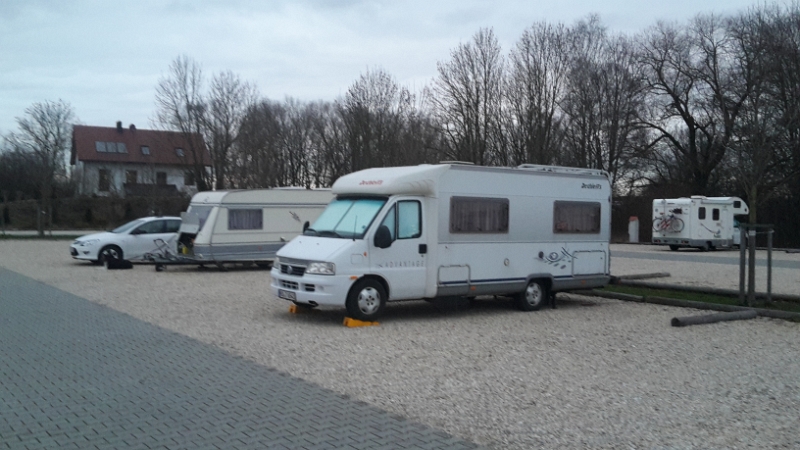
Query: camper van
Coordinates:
[444,230]
[698,222]
[245,226]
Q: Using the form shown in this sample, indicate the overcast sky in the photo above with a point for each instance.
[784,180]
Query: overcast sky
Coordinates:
[105,57]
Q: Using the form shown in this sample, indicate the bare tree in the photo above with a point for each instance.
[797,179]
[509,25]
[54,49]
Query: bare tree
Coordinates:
[44,137]
[534,89]
[257,160]
[180,107]
[228,101]
[697,87]
[373,112]
[467,100]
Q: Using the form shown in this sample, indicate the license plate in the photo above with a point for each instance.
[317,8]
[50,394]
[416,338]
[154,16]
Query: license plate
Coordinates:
[288,295]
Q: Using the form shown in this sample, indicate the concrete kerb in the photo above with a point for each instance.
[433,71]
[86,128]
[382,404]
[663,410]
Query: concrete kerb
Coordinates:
[786,315]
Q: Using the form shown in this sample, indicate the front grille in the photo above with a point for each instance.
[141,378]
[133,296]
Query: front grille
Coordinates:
[290,285]
[293,270]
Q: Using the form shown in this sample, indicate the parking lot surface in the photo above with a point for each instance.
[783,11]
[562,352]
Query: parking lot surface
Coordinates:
[79,375]
[593,373]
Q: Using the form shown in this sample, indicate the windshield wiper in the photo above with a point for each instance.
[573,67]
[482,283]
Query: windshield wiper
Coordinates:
[329,233]
[311,230]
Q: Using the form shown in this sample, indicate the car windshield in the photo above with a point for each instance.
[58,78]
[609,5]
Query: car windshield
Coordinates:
[346,218]
[128,226]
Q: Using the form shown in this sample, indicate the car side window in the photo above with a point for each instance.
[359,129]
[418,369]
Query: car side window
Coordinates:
[409,224]
[172,226]
[155,226]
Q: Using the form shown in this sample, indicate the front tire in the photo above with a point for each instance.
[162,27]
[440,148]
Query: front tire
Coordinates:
[366,300]
[110,252]
[533,297]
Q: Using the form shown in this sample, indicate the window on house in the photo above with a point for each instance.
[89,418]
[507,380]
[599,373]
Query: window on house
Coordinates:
[120,147]
[715,214]
[161,178]
[145,150]
[188,178]
[478,215]
[103,180]
[576,217]
[245,219]
[701,213]
[179,152]
[130,177]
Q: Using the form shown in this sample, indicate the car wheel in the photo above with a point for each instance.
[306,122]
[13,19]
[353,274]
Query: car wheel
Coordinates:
[673,247]
[110,252]
[534,295]
[366,300]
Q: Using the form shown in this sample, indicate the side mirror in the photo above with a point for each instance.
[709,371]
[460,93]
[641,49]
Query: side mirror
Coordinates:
[305,226]
[383,237]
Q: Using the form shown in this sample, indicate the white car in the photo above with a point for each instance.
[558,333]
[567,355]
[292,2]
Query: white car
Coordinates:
[131,241]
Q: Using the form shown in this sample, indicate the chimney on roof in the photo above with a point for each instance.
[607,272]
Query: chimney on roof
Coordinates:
[133,127]
[119,126]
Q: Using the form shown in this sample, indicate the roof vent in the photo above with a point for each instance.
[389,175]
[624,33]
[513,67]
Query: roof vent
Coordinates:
[133,127]
[119,126]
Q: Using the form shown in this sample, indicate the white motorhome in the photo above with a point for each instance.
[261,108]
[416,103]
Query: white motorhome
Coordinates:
[442,230]
[698,222]
[246,225]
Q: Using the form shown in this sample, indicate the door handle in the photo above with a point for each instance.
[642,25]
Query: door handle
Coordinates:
[423,248]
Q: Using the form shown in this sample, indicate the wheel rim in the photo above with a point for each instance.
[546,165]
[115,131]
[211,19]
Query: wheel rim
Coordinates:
[369,300]
[533,294]
[111,253]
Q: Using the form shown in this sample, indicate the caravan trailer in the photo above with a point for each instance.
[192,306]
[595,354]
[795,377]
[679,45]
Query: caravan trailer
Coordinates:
[697,222]
[246,226]
[444,230]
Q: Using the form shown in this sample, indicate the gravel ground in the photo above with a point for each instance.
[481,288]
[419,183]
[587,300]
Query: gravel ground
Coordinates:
[594,373]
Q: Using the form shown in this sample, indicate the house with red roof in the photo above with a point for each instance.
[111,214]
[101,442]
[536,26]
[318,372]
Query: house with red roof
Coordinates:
[130,161]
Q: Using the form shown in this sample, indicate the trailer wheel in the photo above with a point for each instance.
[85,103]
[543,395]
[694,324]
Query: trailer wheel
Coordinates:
[534,295]
[673,247]
[366,300]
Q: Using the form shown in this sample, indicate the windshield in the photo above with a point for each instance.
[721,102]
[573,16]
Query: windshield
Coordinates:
[201,212]
[346,218]
[128,226]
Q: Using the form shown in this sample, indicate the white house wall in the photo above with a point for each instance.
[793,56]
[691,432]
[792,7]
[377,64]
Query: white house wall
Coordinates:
[88,176]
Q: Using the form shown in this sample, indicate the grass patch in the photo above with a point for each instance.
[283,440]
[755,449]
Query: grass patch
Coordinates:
[699,297]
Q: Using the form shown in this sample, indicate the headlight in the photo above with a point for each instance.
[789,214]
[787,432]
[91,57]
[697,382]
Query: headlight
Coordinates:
[276,262]
[321,268]
[89,242]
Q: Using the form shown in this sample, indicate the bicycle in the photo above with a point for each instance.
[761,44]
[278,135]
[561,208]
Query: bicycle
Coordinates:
[669,223]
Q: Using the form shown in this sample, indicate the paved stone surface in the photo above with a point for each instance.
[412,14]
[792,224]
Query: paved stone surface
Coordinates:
[74,374]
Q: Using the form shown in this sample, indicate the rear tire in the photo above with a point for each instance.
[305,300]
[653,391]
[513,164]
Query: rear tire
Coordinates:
[366,300]
[533,297]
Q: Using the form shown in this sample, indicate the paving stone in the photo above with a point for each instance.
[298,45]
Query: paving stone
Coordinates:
[76,374]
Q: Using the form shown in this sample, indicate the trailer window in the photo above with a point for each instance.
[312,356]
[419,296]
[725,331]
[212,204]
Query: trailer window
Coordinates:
[576,217]
[715,214]
[737,204]
[245,219]
[701,213]
[478,215]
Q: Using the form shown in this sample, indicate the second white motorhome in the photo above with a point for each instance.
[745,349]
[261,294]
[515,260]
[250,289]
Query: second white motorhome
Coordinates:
[698,222]
[246,225]
[429,231]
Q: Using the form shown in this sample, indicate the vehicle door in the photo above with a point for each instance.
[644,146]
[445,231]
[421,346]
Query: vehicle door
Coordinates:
[402,262]
[149,237]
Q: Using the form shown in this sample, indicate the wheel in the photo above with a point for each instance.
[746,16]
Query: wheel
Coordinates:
[676,225]
[109,252]
[534,295]
[704,247]
[264,264]
[657,223]
[366,300]
[673,247]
